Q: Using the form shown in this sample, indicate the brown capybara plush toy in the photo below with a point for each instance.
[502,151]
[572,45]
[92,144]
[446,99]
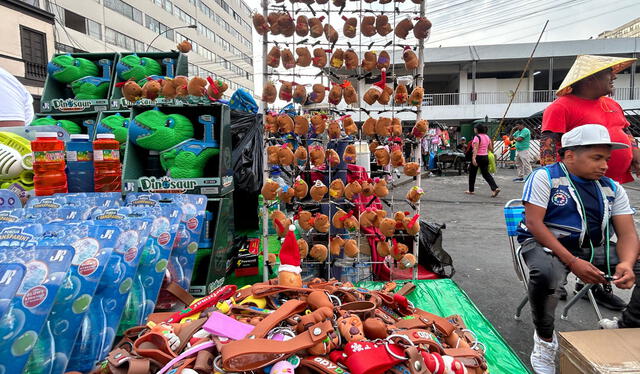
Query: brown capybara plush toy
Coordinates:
[337,59]
[402,95]
[335,246]
[180,82]
[285,155]
[286,91]
[299,94]
[271,123]
[388,227]
[384,60]
[318,191]
[302,26]
[286,24]
[319,59]
[411,169]
[385,96]
[270,189]
[304,248]
[168,89]
[196,86]
[382,156]
[319,123]
[301,154]
[373,94]
[288,61]
[349,155]
[269,93]
[373,145]
[316,155]
[281,222]
[397,157]
[330,33]
[421,28]
[416,96]
[274,27]
[350,27]
[367,26]
[383,126]
[151,89]
[301,187]
[420,128]
[216,88]
[396,127]
[380,188]
[411,225]
[333,130]
[352,189]
[319,252]
[382,25]
[273,57]
[286,194]
[336,188]
[285,124]
[349,125]
[349,93]
[410,58]
[351,59]
[272,154]
[398,250]
[131,91]
[407,261]
[351,248]
[305,220]
[304,57]
[332,158]
[369,126]
[403,27]
[260,24]
[321,222]
[367,188]
[315,27]
[335,95]
[382,248]
[414,194]
[318,92]
[369,61]
[300,125]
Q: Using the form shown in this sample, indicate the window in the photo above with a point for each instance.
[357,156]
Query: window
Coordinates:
[159,28]
[94,29]
[67,48]
[75,21]
[34,53]
[124,9]
[121,40]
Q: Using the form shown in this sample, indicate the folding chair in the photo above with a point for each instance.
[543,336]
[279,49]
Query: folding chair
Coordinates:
[513,214]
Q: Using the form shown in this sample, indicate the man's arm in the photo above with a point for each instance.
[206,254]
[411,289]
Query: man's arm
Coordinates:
[627,250]
[11,123]
[635,162]
[549,145]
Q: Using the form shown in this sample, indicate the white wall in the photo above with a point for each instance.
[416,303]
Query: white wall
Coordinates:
[493,85]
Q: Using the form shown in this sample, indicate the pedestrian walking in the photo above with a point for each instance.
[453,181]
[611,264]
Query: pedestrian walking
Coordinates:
[482,145]
[522,137]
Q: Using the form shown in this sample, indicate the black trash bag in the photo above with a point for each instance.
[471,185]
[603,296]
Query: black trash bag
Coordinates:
[432,256]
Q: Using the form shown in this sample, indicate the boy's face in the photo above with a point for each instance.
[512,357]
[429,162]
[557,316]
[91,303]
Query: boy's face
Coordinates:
[588,163]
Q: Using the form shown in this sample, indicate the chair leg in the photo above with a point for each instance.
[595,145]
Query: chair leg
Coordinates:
[594,304]
[524,301]
[578,296]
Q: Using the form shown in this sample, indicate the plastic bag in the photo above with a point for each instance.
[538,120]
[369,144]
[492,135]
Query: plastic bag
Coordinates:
[492,163]
[432,256]
[242,100]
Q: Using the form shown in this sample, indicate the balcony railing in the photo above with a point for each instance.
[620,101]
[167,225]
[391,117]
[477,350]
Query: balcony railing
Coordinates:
[35,71]
[503,97]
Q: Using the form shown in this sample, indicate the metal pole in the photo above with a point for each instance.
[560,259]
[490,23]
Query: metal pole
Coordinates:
[419,83]
[265,210]
[170,29]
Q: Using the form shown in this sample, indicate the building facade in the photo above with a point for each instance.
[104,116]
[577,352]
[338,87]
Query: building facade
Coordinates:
[630,29]
[220,32]
[29,43]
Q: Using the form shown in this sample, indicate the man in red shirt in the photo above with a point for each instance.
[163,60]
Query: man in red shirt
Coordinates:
[583,99]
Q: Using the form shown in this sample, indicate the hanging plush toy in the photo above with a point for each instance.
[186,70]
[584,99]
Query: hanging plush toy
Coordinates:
[369,126]
[332,158]
[388,227]
[420,128]
[271,123]
[304,57]
[382,156]
[337,60]
[349,125]
[315,27]
[216,88]
[385,96]
[289,269]
[305,220]
[302,26]
[318,191]
[370,61]
[380,189]
[285,155]
[273,57]
[270,189]
[288,61]
[411,225]
[352,189]
[335,246]
[319,59]
[330,33]
[301,155]
[351,248]
[350,27]
[373,93]
[321,222]
[384,60]
[269,93]
[299,94]
[285,124]
[260,24]
[403,27]
[349,93]
[351,60]
[383,126]
[318,92]
[367,26]
[316,155]
[300,125]
[301,188]
[397,157]
[286,24]
[349,155]
[286,91]
[333,130]
[402,95]
[335,95]
[383,250]
[319,252]
[184,46]
[286,194]
[336,188]
[281,223]
[272,19]
[422,28]
[367,188]
[304,248]
[414,194]
[396,127]
[382,25]
[411,169]
[416,96]
[373,145]
[319,124]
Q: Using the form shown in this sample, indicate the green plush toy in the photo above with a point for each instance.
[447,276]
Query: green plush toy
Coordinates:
[90,88]
[157,131]
[66,69]
[132,67]
[115,124]
[70,126]
[188,160]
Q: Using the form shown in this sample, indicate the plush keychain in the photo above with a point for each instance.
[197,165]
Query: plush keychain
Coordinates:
[272,19]
[337,59]
[319,252]
[383,250]
[318,191]
[352,189]
[196,86]
[260,24]
[301,154]
[367,188]
[414,194]
[373,93]
[269,93]
[349,155]
[332,158]
[319,124]
[403,27]
[299,94]
[398,250]
[350,27]
[289,269]
[151,89]
[342,219]
[273,57]
[420,128]
[280,222]
[272,154]
[301,188]
[367,26]
[396,127]
[180,82]
[384,60]
[285,124]
[380,189]
[382,156]
[302,26]
[335,95]
[368,218]
[382,25]
[184,46]
[385,96]
[397,157]
[300,125]
[286,91]
[411,169]
[285,155]
[370,61]
[349,93]
[286,194]
[330,33]
[304,57]
[288,61]
[339,3]
[351,59]
[286,24]
[335,246]
[349,125]
[131,91]
[336,188]
[321,222]
[271,123]
[410,58]
[422,28]
[319,59]
[383,126]
[304,248]
[411,225]
[305,220]
[416,96]
[318,92]
[216,88]
[387,227]
[316,155]
[333,130]
[373,145]
[369,126]
[270,189]
[169,89]
[315,27]
[402,95]
[351,248]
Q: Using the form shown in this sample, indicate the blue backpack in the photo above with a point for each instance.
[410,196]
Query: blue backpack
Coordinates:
[243,101]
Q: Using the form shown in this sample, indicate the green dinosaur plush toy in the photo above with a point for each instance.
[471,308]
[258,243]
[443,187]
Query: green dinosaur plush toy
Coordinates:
[90,88]
[157,131]
[66,69]
[136,68]
[70,126]
[115,124]
[188,160]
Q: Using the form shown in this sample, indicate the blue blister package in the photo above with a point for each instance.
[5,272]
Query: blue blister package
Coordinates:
[183,256]
[46,269]
[98,330]
[11,275]
[9,200]
[153,264]
[93,199]
[92,245]
[46,215]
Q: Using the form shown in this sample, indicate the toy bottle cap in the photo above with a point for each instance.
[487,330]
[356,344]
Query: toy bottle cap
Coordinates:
[79,136]
[105,136]
[48,134]
[154,153]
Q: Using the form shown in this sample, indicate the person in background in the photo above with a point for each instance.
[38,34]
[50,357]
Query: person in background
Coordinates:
[482,145]
[16,106]
[522,137]
[566,228]
[583,98]
[462,144]
[425,144]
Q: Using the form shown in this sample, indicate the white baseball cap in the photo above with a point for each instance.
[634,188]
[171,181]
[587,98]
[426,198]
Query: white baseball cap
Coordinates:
[591,134]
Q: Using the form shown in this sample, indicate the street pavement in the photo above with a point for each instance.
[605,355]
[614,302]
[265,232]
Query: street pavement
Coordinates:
[476,239]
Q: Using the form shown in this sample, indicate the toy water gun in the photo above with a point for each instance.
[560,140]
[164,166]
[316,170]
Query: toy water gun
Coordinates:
[15,161]
[91,87]
[212,299]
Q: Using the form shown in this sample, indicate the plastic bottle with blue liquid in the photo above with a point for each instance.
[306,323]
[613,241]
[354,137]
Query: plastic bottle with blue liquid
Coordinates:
[80,163]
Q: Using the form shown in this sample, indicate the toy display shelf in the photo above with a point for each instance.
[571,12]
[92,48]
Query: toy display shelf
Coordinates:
[215,264]
[218,172]
[178,66]
[57,97]
[86,121]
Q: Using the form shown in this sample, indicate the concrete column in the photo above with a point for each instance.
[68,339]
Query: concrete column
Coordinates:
[473,81]
[632,78]
[550,73]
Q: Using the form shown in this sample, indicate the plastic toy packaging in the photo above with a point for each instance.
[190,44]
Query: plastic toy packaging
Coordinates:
[27,312]
[98,330]
[11,275]
[44,215]
[182,258]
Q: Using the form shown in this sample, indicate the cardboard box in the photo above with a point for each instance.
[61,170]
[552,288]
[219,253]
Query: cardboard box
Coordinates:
[600,351]
[85,120]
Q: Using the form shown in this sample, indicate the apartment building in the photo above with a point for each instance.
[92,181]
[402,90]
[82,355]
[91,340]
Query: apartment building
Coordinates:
[630,29]
[219,30]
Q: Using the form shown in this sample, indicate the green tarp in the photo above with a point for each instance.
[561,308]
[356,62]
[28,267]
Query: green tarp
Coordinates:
[443,297]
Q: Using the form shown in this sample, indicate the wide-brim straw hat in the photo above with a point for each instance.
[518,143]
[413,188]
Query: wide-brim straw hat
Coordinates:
[587,65]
